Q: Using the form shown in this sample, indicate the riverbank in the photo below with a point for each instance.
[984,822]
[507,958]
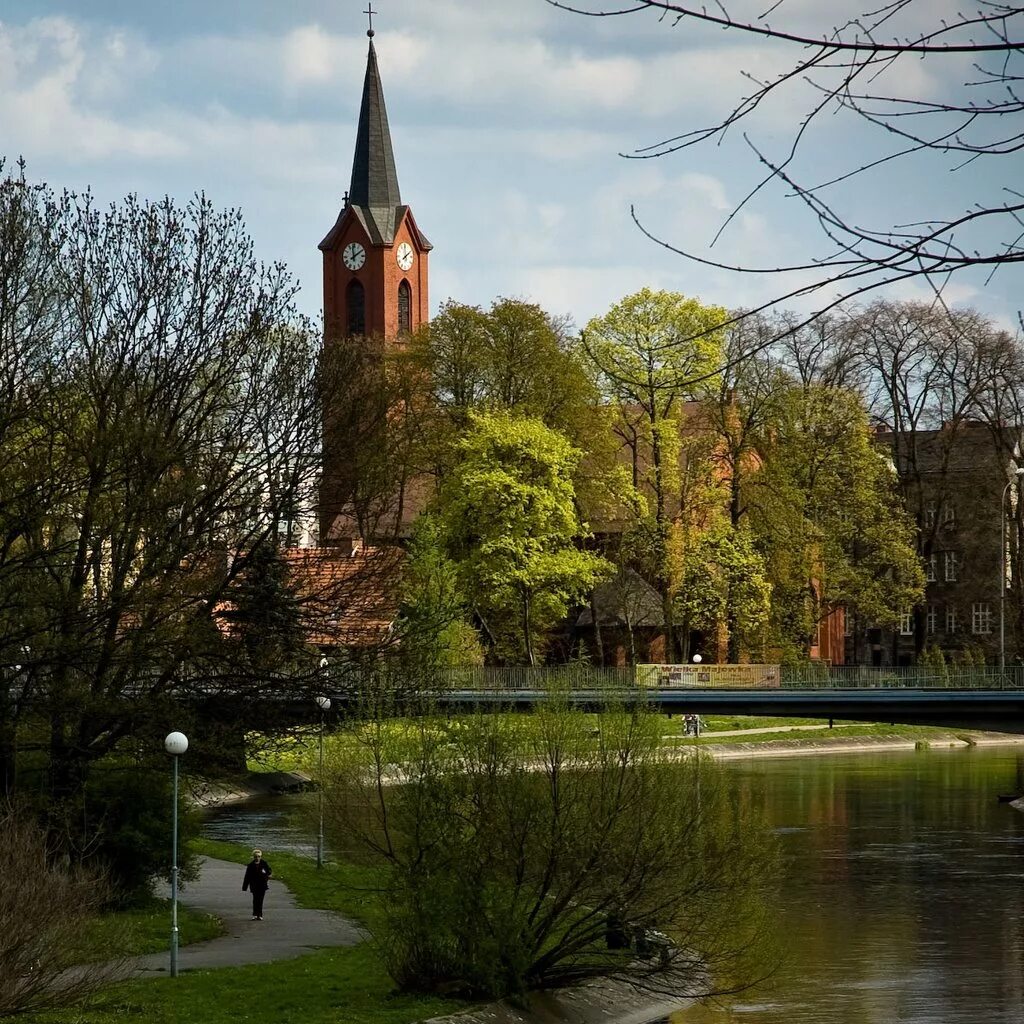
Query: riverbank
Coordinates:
[613,1002]
[210,795]
[784,746]
[602,1001]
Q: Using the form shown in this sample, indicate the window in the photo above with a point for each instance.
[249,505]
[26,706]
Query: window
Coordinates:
[949,516]
[981,617]
[932,567]
[907,623]
[404,308]
[355,304]
[952,566]
[952,623]
[932,620]
[929,517]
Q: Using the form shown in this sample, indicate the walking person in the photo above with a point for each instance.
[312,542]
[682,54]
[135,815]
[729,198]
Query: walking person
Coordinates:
[257,871]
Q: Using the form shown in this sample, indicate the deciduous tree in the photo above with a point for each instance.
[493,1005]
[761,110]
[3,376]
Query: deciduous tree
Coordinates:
[651,352]
[507,517]
[160,418]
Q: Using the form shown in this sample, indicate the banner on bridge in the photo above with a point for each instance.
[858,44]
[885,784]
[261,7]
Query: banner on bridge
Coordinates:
[667,677]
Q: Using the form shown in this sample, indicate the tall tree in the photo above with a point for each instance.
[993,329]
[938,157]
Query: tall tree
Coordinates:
[507,517]
[945,387]
[651,352]
[828,519]
[160,423]
[513,357]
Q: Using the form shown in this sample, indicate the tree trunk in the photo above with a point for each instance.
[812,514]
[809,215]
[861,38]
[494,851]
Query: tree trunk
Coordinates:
[661,522]
[598,638]
[527,637]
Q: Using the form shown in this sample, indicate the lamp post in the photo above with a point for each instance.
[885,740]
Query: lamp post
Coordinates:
[1017,474]
[697,659]
[324,704]
[176,743]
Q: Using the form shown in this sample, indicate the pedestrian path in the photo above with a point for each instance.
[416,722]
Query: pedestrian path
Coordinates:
[776,728]
[286,931]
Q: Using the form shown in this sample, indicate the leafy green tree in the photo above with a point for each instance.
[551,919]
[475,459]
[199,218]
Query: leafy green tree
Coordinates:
[513,357]
[828,518]
[507,518]
[436,632]
[651,353]
[723,580]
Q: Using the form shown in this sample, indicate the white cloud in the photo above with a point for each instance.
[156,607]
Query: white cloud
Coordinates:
[308,55]
[47,94]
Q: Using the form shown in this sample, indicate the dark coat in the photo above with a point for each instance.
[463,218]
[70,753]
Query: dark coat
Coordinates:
[256,875]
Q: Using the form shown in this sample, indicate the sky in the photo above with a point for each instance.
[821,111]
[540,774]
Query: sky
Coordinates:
[509,120]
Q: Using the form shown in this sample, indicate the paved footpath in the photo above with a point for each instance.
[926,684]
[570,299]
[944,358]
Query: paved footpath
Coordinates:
[286,931]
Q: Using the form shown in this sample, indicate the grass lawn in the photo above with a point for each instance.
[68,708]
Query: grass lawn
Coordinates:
[715,723]
[330,986]
[300,753]
[146,930]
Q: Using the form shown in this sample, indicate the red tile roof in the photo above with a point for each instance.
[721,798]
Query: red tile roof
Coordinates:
[348,600]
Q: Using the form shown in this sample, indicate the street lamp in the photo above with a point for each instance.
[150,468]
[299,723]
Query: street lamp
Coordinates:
[1017,474]
[697,659]
[324,704]
[176,743]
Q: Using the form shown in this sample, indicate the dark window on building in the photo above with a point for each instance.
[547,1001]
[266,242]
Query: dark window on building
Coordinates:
[355,303]
[404,307]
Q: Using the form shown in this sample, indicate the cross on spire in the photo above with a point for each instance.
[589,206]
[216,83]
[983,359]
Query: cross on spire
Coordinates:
[370,12]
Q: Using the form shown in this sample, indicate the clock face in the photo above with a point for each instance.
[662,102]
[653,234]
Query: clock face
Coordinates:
[354,255]
[404,256]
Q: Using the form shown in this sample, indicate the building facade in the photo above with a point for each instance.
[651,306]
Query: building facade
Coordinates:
[958,482]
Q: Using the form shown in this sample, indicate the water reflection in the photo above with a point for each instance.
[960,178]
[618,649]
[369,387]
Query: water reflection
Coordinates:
[900,899]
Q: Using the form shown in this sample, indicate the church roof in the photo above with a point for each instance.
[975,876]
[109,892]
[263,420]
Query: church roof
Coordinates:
[374,192]
[626,600]
[374,178]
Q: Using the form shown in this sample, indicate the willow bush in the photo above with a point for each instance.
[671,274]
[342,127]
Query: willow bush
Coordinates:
[520,852]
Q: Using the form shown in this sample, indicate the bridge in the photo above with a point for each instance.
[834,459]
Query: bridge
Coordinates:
[962,697]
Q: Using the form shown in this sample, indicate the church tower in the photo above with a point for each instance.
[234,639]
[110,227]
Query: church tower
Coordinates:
[375,262]
[375,257]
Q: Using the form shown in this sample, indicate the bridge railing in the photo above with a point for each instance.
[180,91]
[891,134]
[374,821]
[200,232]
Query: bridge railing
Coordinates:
[493,679]
[522,677]
[924,677]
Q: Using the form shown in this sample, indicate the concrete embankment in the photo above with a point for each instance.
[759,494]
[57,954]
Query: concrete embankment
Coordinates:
[733,748]
[254,784]
[602,1001]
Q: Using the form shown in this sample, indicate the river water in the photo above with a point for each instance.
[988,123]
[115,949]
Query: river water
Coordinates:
[902,894]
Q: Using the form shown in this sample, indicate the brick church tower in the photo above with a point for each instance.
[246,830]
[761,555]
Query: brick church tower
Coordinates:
[375,290]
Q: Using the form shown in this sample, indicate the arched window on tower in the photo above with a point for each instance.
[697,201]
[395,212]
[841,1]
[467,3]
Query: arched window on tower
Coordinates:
[355,304]
[404,308]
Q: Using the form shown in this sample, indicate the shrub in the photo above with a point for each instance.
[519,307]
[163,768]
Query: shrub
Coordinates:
[513,855]
[43,904]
